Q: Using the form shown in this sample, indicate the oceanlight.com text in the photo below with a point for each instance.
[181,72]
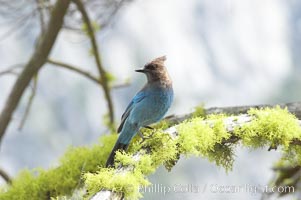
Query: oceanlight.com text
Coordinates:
[215,189]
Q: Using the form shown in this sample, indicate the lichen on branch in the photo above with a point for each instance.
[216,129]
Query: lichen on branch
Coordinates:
[213,137]
[61,180]
[210,137]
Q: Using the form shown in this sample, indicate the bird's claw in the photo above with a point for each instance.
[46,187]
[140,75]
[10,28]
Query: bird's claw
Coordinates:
[145,137]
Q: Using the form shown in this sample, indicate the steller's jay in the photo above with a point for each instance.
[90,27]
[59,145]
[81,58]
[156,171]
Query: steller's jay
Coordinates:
[148,106]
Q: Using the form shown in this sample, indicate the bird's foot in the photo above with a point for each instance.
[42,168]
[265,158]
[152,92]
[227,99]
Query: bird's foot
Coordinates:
[142,136]
[145,137]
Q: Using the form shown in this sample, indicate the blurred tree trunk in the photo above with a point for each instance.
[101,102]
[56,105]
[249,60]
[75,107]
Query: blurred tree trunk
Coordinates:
[43,48]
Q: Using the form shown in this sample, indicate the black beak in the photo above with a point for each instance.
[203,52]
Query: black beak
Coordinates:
[140,70]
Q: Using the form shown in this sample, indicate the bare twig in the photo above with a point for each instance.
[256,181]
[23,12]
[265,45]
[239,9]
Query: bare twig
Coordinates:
[121,85]
[73,29]
[11,70]
[30,100]
[75,69]
[85,73]
[37,60]
[101,70]
[40,4]
[5,176]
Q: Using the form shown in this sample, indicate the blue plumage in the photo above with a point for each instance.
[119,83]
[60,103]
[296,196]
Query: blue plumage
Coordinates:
[148,106]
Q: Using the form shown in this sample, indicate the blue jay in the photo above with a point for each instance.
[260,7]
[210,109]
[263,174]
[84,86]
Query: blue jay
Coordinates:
[148,106]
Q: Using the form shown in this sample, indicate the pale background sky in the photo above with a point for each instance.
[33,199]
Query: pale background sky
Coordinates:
[221,53]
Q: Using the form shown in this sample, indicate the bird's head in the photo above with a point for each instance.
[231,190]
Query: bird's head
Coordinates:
[156,71]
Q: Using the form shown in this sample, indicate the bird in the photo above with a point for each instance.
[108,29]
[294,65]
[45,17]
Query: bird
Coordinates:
[148,106]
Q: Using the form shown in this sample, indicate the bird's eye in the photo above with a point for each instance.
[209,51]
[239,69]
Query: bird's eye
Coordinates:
[150,67]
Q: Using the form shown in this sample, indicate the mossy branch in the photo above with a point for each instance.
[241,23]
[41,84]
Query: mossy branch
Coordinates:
[213,137]
[292,107]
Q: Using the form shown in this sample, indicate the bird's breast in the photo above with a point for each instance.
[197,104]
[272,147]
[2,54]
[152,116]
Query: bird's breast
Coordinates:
[161,99]
[153,107]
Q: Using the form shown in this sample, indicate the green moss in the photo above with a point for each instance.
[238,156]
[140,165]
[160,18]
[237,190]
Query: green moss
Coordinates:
[292,154]
[222,155]
[162,125]
[286,175]
[158,150]
[196,137]
[199,111]
[271,127]
[144,163]
[42,184]
[204,139]
[162,148]
[127,182]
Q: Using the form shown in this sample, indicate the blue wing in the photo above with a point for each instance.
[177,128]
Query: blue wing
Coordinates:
[137,98]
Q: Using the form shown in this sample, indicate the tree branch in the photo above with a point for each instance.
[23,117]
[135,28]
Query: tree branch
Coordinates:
[101,70]
[293,107]
[37,60]
[214,140]
[86,74]
[40,4]
[75,69]
[30,100]
[230,123]
[11,70]
[121,85]
[5,176]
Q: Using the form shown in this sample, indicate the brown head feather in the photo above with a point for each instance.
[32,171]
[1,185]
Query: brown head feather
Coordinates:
[156,71]
[159,61]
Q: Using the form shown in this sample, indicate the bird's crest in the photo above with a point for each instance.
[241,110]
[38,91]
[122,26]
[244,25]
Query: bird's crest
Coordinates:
[159,60]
